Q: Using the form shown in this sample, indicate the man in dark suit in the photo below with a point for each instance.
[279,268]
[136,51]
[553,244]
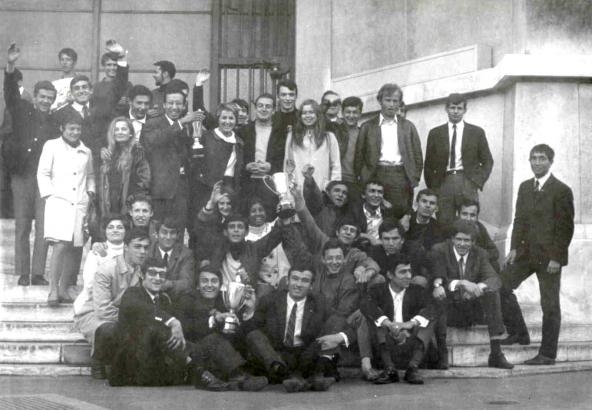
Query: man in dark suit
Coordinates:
[202,314]
[402,318]
[465,285]
[32,125]
[458,161]
[140,99]
[469,211]
[543,229]
[388,149]
[287,335]
[168,150]
[262,156]
[177,258]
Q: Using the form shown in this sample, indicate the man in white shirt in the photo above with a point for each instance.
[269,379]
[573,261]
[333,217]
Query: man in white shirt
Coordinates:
[402,320]
[286,335]
[140,98]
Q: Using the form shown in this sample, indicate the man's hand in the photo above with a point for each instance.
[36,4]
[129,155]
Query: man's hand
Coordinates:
[419,281]
[510,258]
[115,48]
[308,171]
[264,167]
[153,112]
[471,290]
[202,76]
[290,166]
[554,267]
[373,241]
[299,203]
[329,342]
[192,116]
[364,275]
[439,293]
[386,204]
[99,248]
[405,221]
[177,340]
[13,54]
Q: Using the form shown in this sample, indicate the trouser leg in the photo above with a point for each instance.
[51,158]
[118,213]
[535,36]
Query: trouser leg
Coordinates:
[260,347]
[359,322]
[105,342]
[512,277]
[220,355]
[23,196]
[40,246]
[549,286]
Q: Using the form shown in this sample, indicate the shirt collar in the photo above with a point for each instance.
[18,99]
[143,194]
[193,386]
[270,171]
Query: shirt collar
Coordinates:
[397,294]
[376,214]
[543,180]
[292,301]
[171,122]
[79,107]
[382,120]
[162,253]
[465,257]
[230,140]
[152,295]
[142,120]
[459,124]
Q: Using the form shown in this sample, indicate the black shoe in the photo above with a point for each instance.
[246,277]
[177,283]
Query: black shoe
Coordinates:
[277,372]
[389,375]
[246,382]
[296,385]
[53,302]
[499,361]
[540,360]
[207,381]
[39,280]
[512,339]
[412,376]
[321,383]
[24,280]
[442,363]
[328,367]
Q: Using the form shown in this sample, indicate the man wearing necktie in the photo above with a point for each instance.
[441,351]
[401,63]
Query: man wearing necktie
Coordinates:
[543,229]
[466,288]
[458,161]
[287,335]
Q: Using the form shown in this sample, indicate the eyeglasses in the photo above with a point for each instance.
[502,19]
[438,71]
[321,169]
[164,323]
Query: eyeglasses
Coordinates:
[156,272]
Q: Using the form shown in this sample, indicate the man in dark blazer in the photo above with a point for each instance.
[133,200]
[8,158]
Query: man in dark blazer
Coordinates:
[402,317]
[287,335]
[177,258]
[456,173]
[389,149]
[168,149]
[263,153]
[464,286]
[543,229]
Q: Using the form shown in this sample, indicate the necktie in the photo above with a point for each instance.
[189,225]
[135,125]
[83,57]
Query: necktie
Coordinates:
[291,327]
[537,185]
[85,113]
[461,268]
[165,258]
[453,148]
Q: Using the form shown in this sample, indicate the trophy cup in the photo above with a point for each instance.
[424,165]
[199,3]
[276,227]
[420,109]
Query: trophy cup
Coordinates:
[234,297]
[279,184]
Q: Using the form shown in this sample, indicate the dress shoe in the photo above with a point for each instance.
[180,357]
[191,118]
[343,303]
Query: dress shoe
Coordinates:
[207,381]
[540,360]
[389,375]
[512,339]
[247,382]
[499,361]
[296,384]
[23,280]
[321,383]
[442,363]
[38,280]
[327,367]
[277,372]
[412,376]
[371,374]
[52,301]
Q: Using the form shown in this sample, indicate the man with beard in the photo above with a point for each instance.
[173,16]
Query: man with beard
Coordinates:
[164,72]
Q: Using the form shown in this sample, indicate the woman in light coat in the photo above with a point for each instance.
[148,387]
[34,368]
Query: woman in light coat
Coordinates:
[67,183]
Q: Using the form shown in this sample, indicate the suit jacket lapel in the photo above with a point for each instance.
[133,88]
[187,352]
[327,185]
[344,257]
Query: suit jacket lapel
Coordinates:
[389,305]
[307,315]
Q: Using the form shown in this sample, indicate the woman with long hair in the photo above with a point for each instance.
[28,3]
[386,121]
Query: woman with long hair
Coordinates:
[124,169]
[310,145]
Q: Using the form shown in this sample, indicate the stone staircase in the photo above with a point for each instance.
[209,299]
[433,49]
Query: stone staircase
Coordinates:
[38,340]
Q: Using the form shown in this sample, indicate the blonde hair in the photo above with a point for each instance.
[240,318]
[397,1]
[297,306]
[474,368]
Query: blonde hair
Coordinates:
[124,150]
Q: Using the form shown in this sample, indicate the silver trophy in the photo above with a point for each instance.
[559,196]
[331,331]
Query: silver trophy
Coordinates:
[234,296]
[279,184]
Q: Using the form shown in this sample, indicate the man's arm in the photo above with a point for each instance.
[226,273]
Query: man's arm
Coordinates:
[430,160]
[564,224]
[415,145]
[154,135]
[484,158]
[312,195]
[348,297]
[360,156]
[102,303]
[184,273]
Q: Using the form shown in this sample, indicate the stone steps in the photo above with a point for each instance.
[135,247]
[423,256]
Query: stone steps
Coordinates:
[570,332]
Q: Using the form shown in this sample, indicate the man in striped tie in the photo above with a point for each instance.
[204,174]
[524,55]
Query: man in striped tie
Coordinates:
[287,335]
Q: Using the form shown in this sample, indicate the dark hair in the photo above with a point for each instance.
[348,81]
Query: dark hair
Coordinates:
[466,227]
[153,262]
[236,217]
[332,243]
[69,52]
[18,76]
[170,222]
[348,219]
[241,103]
[107,219]
[108,56]
[265,95]
[388,225]
[43,85]
[467,202]
[395,260]
[176,87]
[167,66]
[353,102]
[253,201]
[332,183]
[79,78]
[226,107]
[543,149]
[70,118]
[426,192]
[301,268]
[139,90]
[373,182]
[389,89]
[456,98]
[139,197]
[328,92]
[289,84]
[209,268]
[136,233]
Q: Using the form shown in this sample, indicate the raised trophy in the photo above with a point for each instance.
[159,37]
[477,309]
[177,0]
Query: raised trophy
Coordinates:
[234,296]
[279,184]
